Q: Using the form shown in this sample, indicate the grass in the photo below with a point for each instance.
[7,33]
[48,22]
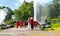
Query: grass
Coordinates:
[55,25]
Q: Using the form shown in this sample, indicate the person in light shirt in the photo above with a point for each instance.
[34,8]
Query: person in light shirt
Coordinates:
[31,22]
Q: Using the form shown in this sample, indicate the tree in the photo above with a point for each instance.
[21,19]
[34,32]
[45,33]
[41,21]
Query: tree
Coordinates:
[54,9]
[24,11]
[9,14]
[17,14]
[10,22]
[2,7]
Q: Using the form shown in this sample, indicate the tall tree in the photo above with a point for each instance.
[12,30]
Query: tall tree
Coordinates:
[17,14]
[9,14]
[54,9]
[25,10]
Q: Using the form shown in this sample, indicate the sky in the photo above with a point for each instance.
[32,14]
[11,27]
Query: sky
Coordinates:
[14,4]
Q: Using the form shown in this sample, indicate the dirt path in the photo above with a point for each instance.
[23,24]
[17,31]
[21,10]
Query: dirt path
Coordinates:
[27,32]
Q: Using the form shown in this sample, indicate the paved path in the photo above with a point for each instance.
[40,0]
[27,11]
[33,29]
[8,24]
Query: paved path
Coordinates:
[27,32]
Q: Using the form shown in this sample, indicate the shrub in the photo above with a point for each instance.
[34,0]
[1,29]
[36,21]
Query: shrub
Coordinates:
[10,21]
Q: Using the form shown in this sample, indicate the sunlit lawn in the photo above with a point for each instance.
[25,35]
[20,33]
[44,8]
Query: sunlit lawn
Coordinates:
[56,26]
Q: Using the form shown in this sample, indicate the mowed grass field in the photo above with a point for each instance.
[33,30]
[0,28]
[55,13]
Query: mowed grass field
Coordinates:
[56,26]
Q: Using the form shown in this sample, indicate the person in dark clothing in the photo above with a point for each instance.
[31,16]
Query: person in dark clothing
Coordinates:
[32,24]
[46,21]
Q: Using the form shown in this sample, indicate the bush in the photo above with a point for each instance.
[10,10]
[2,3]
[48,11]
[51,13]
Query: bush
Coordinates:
[10,22]
[55,20]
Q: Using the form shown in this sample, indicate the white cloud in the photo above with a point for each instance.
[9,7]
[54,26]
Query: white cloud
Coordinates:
[21,1]
[41,1]
[25,0]
[44,1]
[16,4]
[1,4]
[29,0]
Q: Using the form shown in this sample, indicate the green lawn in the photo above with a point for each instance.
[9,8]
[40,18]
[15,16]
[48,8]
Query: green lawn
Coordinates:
[55,25]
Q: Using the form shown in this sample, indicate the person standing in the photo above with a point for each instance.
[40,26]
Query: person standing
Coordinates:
[29,25]
[31,22]
[21,23]
[17,24]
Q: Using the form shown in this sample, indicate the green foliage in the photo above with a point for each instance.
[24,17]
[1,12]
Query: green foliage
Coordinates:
[24,11]
[54,9]
[2,7]
[9,21]
[17,14]
[55,22]
[9,14]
